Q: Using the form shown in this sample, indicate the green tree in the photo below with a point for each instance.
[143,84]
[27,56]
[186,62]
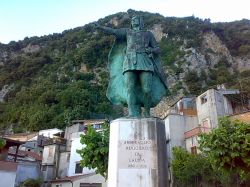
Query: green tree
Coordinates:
[95,150]
[193,82]
[228,147]
[2,143]
[189,169]
[31,183]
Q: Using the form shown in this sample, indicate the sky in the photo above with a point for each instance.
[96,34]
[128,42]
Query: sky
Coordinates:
[27,18]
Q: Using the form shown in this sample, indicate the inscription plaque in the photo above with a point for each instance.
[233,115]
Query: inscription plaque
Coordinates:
[137,154]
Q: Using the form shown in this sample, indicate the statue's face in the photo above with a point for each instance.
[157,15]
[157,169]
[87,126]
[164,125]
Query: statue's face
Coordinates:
[135,22]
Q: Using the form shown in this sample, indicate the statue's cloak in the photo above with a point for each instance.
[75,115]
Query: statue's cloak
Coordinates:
[117,92]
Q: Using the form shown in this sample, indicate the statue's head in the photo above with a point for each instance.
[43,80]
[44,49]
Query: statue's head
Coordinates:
[137,22]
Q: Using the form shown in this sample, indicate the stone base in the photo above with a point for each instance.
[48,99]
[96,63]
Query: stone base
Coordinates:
[137,153]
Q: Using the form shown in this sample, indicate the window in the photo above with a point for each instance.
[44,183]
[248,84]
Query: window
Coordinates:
[194,150]
[43,168]
[203,99]
[78,168]
[97,126]
[206,126]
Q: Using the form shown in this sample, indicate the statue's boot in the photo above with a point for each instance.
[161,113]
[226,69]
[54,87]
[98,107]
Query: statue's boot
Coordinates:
[134,111]
[146,112]
[146,102]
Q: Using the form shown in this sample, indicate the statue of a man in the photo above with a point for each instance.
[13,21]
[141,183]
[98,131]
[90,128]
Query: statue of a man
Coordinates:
[134,67]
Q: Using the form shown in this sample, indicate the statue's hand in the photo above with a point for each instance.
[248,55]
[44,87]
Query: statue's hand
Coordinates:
[148,50]
[151,50]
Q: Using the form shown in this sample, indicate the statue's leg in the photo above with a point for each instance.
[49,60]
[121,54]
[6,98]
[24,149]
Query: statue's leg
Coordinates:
[134,109]
[146,83]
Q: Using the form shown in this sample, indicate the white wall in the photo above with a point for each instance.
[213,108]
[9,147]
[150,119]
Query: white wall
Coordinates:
[191,122]
[91,179]
[7,178]
[220,107]
[208,110]
[49,132]
[75,158]
[49,154]
[228,106]
[176,125]
[216,106]
[175,128]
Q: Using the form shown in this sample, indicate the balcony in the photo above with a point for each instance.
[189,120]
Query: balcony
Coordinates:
[196,131]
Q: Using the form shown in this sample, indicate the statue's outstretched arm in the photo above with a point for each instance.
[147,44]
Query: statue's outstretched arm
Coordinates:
[120,33]
[107,30]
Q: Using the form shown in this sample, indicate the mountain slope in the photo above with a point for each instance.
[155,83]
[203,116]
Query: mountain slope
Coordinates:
[47,81]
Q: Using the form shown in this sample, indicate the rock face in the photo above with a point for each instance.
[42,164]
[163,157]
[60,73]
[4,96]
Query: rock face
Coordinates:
[3,56]
[31,48]
[4,91]
[241,63]
[212,52]
[212,41]
[215,50]
[157,30]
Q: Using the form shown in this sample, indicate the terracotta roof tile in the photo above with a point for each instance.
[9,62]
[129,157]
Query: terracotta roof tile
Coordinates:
[26,153]
[71,178]
[8,166]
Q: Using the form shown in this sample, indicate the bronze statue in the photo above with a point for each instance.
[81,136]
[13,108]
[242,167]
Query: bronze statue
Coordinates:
[134,67]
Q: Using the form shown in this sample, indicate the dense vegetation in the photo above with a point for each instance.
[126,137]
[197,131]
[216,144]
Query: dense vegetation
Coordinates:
[61,77]
[228,148]
[224,160]
[189,169]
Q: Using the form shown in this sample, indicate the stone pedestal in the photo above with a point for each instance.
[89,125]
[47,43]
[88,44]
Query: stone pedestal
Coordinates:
[137,153]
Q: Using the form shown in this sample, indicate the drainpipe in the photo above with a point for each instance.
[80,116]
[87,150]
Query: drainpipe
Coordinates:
[58,160]
[17,147]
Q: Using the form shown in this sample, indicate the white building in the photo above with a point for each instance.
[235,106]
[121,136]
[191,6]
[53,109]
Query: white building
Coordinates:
[75,158]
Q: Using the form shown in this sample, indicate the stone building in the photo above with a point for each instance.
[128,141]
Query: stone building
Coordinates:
[52,158]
